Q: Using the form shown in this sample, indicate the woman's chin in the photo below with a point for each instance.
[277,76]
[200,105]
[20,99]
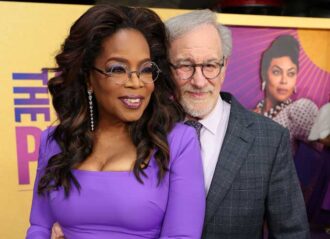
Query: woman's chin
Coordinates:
[131,118]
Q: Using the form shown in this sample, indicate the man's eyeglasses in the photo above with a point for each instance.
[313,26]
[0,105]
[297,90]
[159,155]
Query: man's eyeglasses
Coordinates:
[120,74]
[209,70]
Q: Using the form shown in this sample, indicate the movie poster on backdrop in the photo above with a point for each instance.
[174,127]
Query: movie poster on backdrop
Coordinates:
[31,35]
[290,66]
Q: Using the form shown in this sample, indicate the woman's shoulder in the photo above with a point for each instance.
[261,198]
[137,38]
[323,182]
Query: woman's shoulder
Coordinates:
[181,130]
[48,146]
[47,133]
[304,104]
[46,137]
[181,137]
[302,113]
[303,108]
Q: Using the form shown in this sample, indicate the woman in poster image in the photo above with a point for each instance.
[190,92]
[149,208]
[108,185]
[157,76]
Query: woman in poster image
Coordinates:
[279,71]
[117,165]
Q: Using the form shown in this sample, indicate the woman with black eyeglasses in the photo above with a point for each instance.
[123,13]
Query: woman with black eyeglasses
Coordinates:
[117,165]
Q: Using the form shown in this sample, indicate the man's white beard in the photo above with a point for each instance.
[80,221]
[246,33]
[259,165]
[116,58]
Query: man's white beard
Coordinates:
[196,109]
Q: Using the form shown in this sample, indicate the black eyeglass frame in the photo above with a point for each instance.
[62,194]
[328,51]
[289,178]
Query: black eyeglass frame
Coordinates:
[129,73]
[201,65]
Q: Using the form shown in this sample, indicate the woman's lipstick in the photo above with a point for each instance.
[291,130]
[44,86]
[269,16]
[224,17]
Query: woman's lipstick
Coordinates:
[132,101]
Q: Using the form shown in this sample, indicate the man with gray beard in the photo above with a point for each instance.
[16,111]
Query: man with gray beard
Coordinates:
[250,177]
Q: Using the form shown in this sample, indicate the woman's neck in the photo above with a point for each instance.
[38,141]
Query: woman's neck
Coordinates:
[111,128]
[268,104]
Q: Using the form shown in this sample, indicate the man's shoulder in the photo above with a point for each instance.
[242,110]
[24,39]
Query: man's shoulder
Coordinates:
[263,121]
[254,120]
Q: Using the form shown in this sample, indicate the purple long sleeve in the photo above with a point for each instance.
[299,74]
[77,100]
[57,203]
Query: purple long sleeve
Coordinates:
[115,205]
[41,218]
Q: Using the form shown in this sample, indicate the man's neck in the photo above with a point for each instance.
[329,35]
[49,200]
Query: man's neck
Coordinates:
[189,117]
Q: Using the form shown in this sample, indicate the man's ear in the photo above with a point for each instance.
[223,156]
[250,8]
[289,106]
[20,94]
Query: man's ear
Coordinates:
[224,69]
[226,60]
[223,77]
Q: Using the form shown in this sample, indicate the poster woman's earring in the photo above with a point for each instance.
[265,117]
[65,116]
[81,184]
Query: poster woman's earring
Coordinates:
[91,113]
[295,89]
[263,85]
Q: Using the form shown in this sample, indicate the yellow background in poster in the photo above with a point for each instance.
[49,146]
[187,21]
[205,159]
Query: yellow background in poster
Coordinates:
[30,37]
[317,46]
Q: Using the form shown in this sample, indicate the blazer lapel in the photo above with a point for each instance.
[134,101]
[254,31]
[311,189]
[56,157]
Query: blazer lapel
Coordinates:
[236,145]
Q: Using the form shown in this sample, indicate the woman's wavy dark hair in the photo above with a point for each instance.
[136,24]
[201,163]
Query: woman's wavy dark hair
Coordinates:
[69,94]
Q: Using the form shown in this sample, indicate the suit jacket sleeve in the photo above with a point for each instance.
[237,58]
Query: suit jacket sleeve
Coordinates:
[285,207]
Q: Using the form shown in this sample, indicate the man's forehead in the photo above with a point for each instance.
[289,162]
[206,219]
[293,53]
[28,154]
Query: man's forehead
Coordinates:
[198,36]
[194,59]
[196,54]
[200,43]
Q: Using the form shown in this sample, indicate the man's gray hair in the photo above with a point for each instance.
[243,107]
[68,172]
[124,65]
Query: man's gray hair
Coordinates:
[182,24]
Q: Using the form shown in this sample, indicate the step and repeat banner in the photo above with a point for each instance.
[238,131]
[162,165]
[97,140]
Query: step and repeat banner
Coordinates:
[30,37]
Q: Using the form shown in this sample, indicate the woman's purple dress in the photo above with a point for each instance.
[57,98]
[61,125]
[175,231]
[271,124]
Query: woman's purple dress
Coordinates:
[114,204]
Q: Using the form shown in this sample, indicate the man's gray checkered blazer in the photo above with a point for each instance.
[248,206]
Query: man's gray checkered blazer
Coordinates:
[255,181]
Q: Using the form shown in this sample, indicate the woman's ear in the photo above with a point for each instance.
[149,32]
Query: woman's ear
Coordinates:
[89,87]
[88,81]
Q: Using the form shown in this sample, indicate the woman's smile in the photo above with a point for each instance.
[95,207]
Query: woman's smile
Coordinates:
[132,101]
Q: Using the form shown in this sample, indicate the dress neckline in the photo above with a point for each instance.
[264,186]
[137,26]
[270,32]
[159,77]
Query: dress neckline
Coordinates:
[105,172]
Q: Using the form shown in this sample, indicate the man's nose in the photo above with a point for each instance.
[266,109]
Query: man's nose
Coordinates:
[198,79]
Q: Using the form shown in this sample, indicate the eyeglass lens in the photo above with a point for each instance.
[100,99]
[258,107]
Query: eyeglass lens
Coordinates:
[148,72]
[209,70]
